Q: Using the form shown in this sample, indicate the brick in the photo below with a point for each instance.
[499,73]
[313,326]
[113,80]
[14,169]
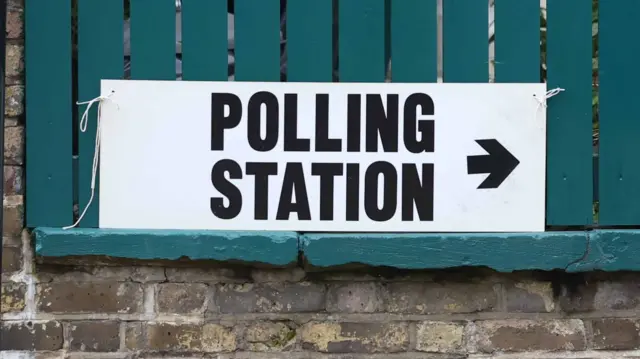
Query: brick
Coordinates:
[435,298]
[529,297]
[32,336]
[134,336]
[578,298]
[13,145]
[14,25]
[439,337]
[211,338]
[13,212]
[11,260]
[277,275]
[269,336]
[181,297]
[617,296]
[98,297]
[204,275]
[13,297]
[102,273]
[616,334]
[333,337]
[528,335]
[270,298]
[94,336]
[14,101]
[13,180]
[14,60]
[363,297]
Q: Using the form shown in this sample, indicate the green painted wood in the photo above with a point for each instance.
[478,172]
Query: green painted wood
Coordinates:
[204,40]
[309,36]
[361,40]
[569,121]
[153,39]
[257,42]
[49,184]
[610,250]
[503,252]
[465,41]
[100,54]
[619,190]
[517,43]
[414,40]
[276,248]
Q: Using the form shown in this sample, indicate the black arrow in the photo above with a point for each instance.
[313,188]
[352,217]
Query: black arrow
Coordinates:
[499,163]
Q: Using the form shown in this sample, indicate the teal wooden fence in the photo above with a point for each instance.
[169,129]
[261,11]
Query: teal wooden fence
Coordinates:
[369,31]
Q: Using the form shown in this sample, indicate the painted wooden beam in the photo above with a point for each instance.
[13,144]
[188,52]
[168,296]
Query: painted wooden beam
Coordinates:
[504,252]
[275,248]
[572,251]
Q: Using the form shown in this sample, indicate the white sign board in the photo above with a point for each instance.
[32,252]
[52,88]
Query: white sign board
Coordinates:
[330,157]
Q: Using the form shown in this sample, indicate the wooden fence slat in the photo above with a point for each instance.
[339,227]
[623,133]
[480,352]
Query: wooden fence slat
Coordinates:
[414,40]
[361,40]
[465,41]
[100,56]
[517,43]
[257,40]
[619,113]
[204,40]
[569,118]
[153,39]
[49,184]
[309,41]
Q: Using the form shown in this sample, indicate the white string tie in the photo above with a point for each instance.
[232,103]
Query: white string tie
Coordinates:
[96,154]
[549,94]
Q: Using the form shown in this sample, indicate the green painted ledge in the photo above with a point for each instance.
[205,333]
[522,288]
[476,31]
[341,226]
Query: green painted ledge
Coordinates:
[572,251]
[504,252]
[275,248]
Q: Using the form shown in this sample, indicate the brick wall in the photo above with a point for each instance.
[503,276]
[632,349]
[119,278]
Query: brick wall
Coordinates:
[194,311]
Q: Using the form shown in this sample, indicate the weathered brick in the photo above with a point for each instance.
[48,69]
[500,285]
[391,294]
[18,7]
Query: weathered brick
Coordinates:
[439,337]
[527,335]
[13,180]
[14,100]
[14,60]
[14,25]
[13,211]
[212,338]
[134,336]
[272,297]
[363,297]
[11,260]
[13,297]
[32,336]
[13,145]
[433,298]
[204,275]
[269,336]
[181,297]
[616,334]
[617,295]
[277,275]
[530,297]
[94,336]
[578,298]
[102,273]
[97,297]
[333,337]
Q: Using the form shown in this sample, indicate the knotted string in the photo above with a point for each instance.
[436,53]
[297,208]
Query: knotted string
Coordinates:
[549,94]
[96,154]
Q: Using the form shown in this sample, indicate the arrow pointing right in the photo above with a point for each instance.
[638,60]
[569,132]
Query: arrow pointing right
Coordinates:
[498,163]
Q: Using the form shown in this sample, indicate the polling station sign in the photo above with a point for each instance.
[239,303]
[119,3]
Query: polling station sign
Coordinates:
[329,157]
